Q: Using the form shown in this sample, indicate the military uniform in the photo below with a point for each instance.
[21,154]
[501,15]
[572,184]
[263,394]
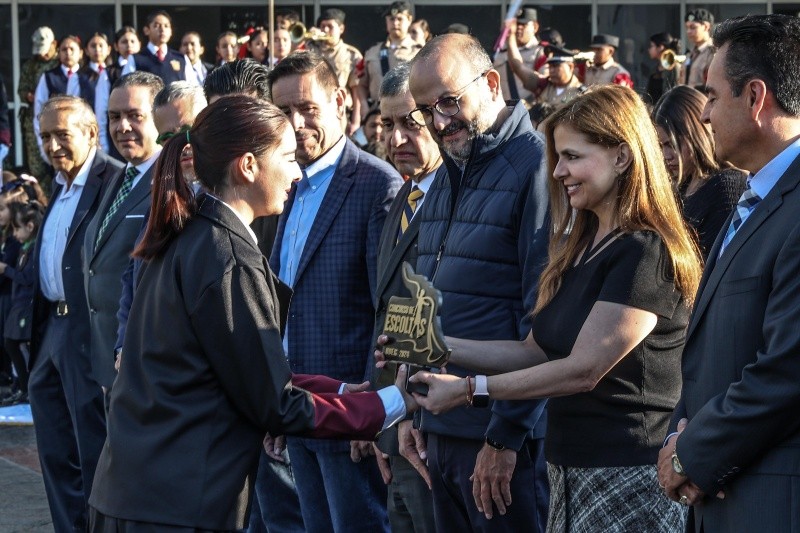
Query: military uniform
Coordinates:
[608,73]
[30,73]
[558,96]
[380,59]
[344,58]
[532,56]
[695,69]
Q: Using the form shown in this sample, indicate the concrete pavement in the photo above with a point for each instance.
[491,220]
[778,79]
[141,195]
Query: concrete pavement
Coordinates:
[23,504]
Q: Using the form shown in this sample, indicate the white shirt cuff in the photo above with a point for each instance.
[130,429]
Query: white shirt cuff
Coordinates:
[669,437]
[341,388]
[393,404]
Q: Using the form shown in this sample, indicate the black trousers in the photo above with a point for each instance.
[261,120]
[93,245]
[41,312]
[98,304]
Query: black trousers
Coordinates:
[69,421]
[100,523]
[14,349]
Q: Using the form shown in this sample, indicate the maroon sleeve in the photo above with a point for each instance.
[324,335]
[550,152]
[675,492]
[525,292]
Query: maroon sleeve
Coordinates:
[358,416]
[316,383]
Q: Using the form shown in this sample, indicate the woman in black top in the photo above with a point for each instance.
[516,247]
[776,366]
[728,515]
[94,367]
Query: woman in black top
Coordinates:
[708,189]
[608,326]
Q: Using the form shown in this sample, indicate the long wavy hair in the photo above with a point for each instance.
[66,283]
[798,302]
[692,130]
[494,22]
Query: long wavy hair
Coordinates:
[610,116]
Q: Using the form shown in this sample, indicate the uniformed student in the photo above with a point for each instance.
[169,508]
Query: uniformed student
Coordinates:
[398,48]
[157,57]
[562,83]
[342,56]
[531,52]
[698,32]
[605,69]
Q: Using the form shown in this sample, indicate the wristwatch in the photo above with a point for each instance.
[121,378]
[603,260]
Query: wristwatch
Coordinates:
[496,445]
[676,463]
[480,398]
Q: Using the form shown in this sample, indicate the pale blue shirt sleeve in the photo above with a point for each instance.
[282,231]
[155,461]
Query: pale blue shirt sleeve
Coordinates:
[393,404]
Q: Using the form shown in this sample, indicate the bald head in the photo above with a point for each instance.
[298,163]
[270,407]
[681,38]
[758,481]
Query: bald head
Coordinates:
[458,92]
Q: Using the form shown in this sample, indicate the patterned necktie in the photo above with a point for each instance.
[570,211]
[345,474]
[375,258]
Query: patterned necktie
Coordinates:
[122,193]
[160,54]
[408,210]
[747,202]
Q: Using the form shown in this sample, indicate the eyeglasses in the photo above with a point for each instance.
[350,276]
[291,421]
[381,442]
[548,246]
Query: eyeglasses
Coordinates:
[446,106]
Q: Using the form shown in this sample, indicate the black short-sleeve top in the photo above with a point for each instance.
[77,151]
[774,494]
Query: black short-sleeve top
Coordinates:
[623,421]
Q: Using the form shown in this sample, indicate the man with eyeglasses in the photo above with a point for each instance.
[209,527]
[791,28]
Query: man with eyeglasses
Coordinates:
[483,238]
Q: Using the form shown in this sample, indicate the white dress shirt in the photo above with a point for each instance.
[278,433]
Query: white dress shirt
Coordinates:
[56,230]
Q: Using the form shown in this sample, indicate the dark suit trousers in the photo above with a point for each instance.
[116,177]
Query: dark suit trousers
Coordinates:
[452,461]
[67,408]
[410,503]
[275,507]
[100,523]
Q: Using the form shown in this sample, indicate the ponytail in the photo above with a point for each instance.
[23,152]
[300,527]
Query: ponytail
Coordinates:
[172,204]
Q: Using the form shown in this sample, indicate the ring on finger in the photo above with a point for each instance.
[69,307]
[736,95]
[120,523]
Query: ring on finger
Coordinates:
[684,500]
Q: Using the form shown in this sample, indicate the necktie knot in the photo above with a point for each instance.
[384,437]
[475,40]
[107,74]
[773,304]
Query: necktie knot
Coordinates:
[131,173]
[100,69]
[410,208]
[747,202]
[161,54]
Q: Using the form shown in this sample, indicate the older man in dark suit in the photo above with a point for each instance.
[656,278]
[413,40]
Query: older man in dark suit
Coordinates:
[326,250]
[65,395]
[737,462]
[111,234]
[412,150]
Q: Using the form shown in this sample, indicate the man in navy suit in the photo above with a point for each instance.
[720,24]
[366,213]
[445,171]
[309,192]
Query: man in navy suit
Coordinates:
[65,396]
[157,57]
[326,249]
[734,455]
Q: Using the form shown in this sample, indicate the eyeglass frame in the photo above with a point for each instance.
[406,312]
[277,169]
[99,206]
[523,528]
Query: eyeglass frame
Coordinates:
[427,110]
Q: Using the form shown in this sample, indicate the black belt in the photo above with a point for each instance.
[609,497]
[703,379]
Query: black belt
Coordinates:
[59,308]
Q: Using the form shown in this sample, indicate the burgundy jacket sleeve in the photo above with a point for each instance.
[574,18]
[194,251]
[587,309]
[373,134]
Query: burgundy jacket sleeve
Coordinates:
[360,416]
[316,383]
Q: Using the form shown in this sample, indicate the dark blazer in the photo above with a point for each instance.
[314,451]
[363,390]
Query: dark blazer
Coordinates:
[104,264]
[203,378]
[392,253]
[741,372]
[57,81]
[332,311]
[173,68]
[103,169]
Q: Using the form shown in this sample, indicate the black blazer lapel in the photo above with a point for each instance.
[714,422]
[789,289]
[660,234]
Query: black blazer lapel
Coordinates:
[94,184]
[716,267]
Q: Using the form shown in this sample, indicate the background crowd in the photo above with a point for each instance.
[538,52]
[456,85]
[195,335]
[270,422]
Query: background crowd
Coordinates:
[193,246]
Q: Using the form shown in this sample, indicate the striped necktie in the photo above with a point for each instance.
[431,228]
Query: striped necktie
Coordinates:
[408,210]
[122,193]
[747,203]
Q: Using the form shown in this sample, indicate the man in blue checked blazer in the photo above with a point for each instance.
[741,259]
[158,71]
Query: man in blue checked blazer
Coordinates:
[326,249]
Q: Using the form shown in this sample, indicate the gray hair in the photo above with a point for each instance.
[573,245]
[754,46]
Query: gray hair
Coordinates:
[74,105]
[395,83]
[181,90]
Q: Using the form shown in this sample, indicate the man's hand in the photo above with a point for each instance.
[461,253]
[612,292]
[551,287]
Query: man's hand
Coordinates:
[383,464]
[360,449]
[2,267]
[274,446]
[491,481]
[117,361]
[355,387]
[678,487]
[413,448]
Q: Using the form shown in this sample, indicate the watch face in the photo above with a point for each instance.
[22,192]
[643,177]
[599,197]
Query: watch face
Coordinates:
[676,465]
[480,400]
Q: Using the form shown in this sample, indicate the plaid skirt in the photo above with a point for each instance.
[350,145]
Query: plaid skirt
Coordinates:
[610,499]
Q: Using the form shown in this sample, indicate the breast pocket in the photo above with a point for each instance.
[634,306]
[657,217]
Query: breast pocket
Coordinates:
[739,286]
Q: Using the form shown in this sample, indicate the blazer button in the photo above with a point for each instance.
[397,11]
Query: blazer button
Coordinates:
[91,272]
[67,267]
[93,311]
[735,469]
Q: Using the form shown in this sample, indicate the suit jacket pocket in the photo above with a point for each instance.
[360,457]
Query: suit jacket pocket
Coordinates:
[738,286]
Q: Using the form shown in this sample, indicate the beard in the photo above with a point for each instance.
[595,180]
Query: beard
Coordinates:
[460,150]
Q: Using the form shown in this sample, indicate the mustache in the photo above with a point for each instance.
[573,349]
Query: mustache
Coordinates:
[454,126]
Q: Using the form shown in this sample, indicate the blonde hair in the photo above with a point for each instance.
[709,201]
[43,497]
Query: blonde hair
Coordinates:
[610,116]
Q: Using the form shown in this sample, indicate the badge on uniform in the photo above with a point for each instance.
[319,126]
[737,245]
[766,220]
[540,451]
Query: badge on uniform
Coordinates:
[176,65]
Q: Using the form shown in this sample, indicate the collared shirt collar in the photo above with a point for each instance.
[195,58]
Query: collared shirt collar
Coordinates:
[607,65]
[95,66]
[328,159]
[145,166]
[765,179]
[66,71]
[425,183]
[83,173]
[154,49]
